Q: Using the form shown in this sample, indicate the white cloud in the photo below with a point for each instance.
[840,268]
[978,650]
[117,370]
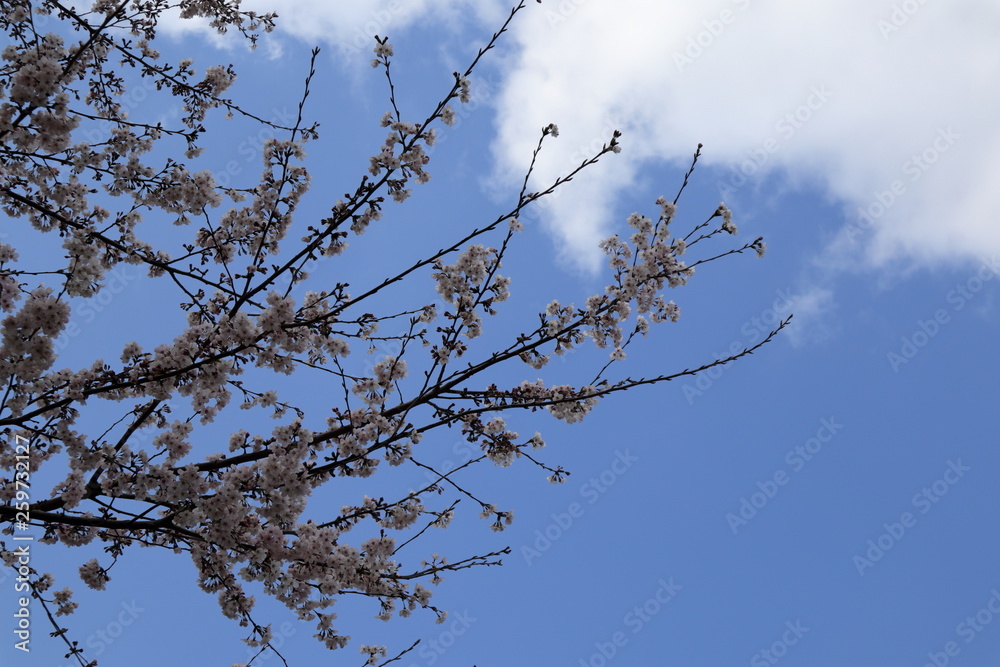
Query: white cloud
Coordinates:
[351,26]
[824,91]
[812,322]
[831,94]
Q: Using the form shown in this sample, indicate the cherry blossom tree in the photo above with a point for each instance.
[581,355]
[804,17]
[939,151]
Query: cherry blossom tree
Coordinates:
[123,434]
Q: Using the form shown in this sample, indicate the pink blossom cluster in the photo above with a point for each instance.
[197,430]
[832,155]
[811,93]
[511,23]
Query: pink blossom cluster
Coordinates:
[137,434]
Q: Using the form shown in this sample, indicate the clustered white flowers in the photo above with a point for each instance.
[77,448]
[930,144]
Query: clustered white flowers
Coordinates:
[93,574]
[239,506]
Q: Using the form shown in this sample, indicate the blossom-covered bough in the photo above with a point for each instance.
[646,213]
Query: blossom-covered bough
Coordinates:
[136,472]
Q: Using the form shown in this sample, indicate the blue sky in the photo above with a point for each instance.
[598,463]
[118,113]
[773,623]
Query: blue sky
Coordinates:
[826,501]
